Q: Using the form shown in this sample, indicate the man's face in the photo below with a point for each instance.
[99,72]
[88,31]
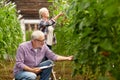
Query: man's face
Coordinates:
[39,42]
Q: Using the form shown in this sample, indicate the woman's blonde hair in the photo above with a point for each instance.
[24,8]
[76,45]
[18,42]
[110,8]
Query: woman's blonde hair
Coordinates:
[41,11]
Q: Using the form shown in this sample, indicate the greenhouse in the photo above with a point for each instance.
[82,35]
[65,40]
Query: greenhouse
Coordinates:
[85,33]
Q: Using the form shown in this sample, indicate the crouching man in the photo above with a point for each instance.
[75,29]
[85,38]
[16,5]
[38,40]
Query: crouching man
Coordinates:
[29,57]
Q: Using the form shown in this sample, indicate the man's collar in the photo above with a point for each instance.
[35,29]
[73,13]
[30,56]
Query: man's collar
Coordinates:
[31,46]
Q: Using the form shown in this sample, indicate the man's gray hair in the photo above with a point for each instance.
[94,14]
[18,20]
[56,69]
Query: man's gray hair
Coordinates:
[37,34]
[42,10]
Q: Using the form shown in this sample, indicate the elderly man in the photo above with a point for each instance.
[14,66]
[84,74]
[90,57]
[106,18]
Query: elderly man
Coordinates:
[29,58]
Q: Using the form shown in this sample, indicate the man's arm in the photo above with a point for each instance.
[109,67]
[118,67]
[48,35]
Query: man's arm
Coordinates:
[20,61]
[64,58]
[51,55]
[34,70]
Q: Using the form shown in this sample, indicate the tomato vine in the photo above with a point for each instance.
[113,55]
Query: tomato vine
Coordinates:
[10,31]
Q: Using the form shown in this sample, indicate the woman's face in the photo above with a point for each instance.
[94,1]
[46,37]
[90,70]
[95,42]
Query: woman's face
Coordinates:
[46,14]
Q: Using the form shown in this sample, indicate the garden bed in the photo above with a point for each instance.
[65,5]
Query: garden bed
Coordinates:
[63,70]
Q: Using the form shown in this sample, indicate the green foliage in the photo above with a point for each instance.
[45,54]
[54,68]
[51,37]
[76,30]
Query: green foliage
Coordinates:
[10,31]
[63,33]
[97,23]
[91,31]
[28,35]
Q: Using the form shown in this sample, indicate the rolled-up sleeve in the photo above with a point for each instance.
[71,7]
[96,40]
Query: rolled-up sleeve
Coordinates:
[20,58]
[47,23]
[50,54]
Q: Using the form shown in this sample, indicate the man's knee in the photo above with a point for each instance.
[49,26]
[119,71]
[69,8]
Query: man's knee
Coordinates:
[50,62]
[32,77]
[26,76]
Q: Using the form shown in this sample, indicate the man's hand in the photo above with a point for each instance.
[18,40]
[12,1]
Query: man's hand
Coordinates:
[66,58]
[36,70]
[70,58]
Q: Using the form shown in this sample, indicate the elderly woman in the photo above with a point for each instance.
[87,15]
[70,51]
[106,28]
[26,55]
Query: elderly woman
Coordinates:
[47,26]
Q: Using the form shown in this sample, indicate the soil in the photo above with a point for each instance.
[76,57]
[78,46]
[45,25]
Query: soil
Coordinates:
[62,70]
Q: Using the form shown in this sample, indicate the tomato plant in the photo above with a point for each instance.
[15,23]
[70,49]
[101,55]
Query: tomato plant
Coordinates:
[10,31]
[91,33]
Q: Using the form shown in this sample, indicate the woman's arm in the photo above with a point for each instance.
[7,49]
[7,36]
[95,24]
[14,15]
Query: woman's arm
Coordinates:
[51,21]
[56,17]
[47,23]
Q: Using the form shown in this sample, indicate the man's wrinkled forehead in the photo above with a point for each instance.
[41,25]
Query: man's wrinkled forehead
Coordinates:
[42,37]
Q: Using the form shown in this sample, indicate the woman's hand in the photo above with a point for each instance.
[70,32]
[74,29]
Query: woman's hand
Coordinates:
[61,14]
[56,17]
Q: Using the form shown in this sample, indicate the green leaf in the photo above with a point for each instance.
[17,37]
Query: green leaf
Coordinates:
[107,45]
[86,32]
[102,78]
